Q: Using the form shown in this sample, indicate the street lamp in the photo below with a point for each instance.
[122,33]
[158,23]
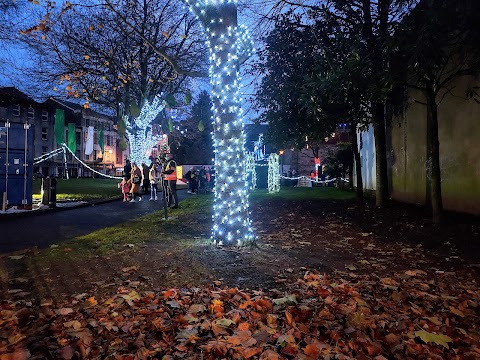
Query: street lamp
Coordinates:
[281,152]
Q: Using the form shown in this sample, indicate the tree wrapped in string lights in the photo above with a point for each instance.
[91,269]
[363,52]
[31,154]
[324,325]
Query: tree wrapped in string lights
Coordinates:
[273,173]
[139,130]
[229,46]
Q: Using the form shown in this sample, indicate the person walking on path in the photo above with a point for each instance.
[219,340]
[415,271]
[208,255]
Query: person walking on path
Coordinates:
[136,180]
[153,177]
[170,172]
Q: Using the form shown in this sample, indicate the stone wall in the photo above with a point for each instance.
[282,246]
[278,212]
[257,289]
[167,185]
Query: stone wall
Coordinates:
[459,136]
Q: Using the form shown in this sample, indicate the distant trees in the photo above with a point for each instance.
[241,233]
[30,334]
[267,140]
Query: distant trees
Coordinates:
[10,17]
[194,140]
[288,58]
[122,52]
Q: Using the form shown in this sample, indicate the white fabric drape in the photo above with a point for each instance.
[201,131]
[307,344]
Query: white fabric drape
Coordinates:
[89,143]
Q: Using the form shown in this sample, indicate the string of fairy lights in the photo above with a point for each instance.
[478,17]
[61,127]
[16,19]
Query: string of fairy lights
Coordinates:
[140,134]
[227,42]
[63,150]
[273,173]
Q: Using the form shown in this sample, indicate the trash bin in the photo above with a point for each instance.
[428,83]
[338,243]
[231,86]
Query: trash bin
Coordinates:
[49,191]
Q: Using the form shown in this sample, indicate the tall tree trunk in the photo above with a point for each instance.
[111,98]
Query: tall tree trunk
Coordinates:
[428,160]
[436,180]
[380,155]
[358,162]
[232,224]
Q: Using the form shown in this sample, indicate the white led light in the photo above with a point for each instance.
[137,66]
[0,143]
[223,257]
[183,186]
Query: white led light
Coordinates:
[140,133]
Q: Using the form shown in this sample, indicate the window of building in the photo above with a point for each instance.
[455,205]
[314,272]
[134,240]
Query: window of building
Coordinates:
[108,141]
[44,150]
[31,114]
[44,116]
[77,137]
[87,122]
[87,157]
[44,133]
[16,110]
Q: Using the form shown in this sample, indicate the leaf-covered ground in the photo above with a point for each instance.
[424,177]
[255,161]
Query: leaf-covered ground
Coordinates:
[327,279]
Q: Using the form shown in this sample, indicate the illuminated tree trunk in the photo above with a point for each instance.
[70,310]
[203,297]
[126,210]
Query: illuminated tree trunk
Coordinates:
[231,214]
[140,133]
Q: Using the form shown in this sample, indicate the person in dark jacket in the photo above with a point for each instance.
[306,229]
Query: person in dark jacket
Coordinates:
[170,174]
[145,178]
[127,169]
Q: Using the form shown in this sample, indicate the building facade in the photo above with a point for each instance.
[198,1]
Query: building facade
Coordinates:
[15,106]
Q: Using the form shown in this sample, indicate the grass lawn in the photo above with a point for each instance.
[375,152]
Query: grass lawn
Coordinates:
[84,189]
[81,189]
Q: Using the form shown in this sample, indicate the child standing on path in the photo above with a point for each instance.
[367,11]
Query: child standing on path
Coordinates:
[124,185]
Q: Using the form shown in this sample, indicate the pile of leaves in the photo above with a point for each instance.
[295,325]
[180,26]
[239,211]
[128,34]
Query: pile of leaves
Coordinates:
[406,316]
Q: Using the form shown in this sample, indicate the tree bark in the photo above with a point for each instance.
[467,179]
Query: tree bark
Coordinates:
[380,155]
[428,161]
[436,179]
[358,162]
[231,214]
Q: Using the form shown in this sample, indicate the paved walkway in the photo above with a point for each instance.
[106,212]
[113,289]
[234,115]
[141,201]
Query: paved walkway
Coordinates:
[44,228]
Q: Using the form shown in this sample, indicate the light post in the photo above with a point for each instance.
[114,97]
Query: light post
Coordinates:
[281,153]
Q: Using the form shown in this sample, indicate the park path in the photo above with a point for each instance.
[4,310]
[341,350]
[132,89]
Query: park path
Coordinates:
[45,228]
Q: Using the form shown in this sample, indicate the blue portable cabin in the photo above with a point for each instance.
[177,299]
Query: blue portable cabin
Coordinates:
[17,117]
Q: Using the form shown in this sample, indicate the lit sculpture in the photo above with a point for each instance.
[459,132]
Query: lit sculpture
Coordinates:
[273,173]
[251,171]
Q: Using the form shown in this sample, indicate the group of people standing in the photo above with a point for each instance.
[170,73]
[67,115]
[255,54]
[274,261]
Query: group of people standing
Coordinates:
[146,178]
[200,179]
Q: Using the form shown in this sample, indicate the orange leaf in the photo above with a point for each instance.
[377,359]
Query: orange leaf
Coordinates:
[170,292]
[264,304]
[246,304]
[290,320]
[243,326]
[312,350]
[248,353]
[92,301]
